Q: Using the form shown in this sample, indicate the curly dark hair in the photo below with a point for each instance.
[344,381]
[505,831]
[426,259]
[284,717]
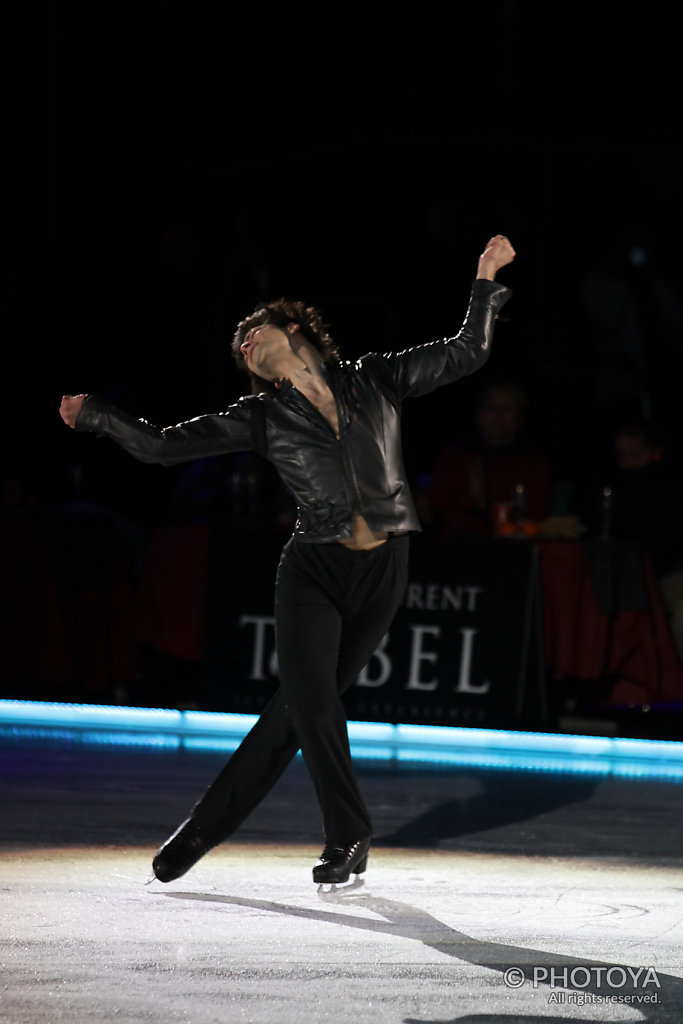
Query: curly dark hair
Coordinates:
[280,313]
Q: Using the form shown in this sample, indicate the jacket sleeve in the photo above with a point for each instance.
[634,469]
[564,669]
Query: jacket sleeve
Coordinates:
[417,371]
[215,434]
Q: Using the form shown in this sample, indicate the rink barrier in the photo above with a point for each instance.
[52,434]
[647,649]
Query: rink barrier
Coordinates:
[165,728]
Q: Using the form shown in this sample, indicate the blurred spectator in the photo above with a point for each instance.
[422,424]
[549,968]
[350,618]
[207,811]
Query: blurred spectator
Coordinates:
[496,477]
[639,499]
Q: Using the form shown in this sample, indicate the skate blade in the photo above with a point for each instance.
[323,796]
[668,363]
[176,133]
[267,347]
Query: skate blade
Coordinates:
[337,889]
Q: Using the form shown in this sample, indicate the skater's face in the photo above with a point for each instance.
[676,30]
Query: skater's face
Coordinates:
[265,346]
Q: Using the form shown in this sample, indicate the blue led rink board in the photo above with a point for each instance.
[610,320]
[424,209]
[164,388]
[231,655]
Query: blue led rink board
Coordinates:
[208,730]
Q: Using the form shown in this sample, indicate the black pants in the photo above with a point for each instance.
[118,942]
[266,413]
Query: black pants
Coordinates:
[332,608]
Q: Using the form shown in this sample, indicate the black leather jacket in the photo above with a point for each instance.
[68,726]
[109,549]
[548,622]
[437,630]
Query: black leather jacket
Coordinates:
[333,477]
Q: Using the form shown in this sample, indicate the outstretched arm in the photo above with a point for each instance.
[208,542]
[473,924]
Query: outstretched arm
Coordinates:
[417,371]
[215,434]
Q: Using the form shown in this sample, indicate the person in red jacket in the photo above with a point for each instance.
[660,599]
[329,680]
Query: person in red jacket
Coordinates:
[479,486]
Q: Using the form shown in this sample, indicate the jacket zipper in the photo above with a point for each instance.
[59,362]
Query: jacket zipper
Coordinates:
[347,467]
[357,505]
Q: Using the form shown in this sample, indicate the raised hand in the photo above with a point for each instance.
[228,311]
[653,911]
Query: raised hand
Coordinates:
[498,253]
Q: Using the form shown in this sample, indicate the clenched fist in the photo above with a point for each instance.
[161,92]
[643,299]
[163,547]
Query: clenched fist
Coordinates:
[70,408]
[498,253]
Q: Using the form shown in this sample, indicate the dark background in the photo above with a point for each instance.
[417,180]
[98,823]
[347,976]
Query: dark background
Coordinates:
[171,165]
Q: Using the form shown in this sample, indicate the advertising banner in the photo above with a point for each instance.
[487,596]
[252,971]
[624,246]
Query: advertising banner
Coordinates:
[464,648]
